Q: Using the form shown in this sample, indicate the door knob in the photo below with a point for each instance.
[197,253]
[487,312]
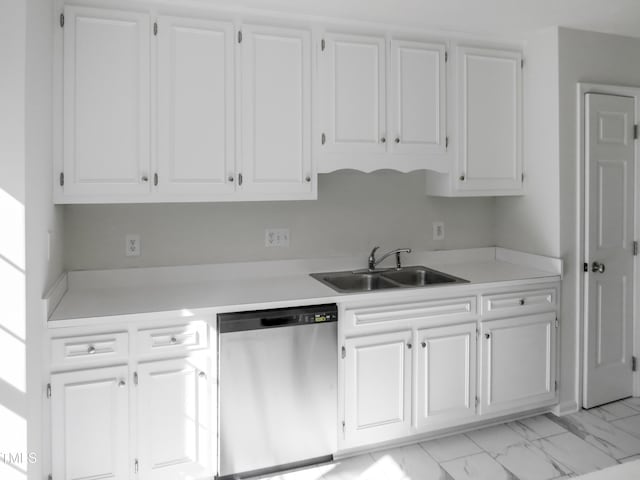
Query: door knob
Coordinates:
[597,267]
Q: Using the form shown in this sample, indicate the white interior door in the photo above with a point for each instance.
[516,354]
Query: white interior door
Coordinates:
[276,110]
[196,104]
[106,101]
[609,212]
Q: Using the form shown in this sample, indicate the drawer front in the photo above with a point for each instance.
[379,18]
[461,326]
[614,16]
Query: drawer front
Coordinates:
[179,338]
[104,347]
[519,302]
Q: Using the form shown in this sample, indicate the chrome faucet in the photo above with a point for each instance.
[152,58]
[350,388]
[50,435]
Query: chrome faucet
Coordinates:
[373,261]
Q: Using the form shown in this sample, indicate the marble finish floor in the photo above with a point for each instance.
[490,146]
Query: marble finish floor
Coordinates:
[544,447]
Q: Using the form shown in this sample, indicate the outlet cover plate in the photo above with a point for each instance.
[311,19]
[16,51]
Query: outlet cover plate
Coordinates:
[132,245]
[276,237]
[438,230]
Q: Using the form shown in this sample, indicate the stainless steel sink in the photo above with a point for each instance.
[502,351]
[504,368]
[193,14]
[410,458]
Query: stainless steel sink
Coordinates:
[407,277]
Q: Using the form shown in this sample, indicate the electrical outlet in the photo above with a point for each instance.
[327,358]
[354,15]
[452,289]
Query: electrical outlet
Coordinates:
[438,230]
[132,245]
[276,237]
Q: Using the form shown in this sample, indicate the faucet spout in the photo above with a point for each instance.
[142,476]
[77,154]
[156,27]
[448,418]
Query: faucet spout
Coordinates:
[373,261]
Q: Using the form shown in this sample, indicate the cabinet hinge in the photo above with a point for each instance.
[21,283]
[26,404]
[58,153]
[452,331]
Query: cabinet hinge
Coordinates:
[48,390]
[343,427]
[635,131]
[135,378]
[446,57]
[555,386]
[323,139]
[634,364]
[136,466]
[344,352]
[62,179]
[322,45]
[477,332]
[446,142]
[49,477]
[155,28]
[557,322]
[585,267]
[522,178]
[62,20]
[477,402]
[635,248]
[522,63]
[239,36]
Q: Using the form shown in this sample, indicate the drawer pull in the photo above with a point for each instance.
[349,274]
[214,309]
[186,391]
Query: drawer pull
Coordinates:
[202,375]
[487,336]
[424,345]
[122,383]
[522,301]
[409,345]
[174,340]
[91,350]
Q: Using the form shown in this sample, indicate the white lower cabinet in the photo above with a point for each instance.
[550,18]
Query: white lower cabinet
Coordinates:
[90,424]
[174,409]
[518,362]
[446,382]
[377,375]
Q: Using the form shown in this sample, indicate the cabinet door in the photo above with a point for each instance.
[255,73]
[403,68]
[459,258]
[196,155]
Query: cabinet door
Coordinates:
[446,375]
[418,97]
[490,116]
[195,107]
[106,102]
[377,390]
[354,94]
[174,419]
[90,424]
[276,110]
[518,362]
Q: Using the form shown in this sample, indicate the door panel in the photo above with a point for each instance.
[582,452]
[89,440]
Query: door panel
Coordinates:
[195,106]
[377,387]
[174,418]
[276,106]
[355,95]
[418,97]
[446,375]
[518,362]
[609,197]
[106,101]
[90,424]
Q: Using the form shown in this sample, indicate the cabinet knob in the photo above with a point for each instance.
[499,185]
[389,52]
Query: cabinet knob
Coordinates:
[383,140]
[307,179]
[122,383]
[202,375]
[461,177]
[230,179]
[487,336]
[597,267]
[145,178]
[91,350]
[174,340]
[409,345]
[397,140]
[424,344]
[522,301]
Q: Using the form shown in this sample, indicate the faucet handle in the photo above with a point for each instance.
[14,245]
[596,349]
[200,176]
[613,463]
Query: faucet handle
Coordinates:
[372,258]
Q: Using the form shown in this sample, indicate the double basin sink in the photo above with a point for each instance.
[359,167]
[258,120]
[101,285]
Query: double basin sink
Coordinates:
[366,281]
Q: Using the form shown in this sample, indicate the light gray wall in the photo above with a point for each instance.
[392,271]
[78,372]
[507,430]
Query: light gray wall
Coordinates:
[532,222]
[583,57]
[354,212]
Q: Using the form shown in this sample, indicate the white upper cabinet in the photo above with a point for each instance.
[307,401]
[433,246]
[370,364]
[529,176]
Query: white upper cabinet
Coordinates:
[489,119]
[354,86]
[418,97]
[196,134]
[276,113]
[368,123]
[106,103]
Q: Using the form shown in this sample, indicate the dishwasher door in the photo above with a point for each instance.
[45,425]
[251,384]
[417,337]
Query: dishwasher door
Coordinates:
[277,398]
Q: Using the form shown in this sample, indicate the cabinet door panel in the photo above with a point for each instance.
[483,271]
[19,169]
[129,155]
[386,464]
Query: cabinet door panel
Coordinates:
[377,387]
[195,106]
[446,374]
[106,101]
[174,418]
[518,362]
[355,93]
[90,424]
[490,99]
[418,97]
[276,106]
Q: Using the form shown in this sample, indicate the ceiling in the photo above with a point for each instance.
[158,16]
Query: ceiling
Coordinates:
[512,18]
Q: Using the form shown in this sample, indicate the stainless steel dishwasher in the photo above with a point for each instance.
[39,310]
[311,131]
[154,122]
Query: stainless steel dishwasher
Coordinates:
[277,389]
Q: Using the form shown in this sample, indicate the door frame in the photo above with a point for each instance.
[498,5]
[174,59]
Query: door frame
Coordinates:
[581,190]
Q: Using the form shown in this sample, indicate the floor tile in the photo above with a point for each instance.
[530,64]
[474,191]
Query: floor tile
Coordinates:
[448,448]
[633,402]
[495,440]
[527,462]
[613,411]
[409,463]
[633,458]
[362,467]
[536,427]
[630,425]
[477,467]
[601,434]
[572,454]
[309,473]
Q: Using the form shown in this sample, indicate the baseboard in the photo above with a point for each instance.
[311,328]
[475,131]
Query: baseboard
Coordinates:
[565,408]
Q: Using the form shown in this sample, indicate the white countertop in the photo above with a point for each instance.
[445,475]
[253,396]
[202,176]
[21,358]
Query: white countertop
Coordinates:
[143,293]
